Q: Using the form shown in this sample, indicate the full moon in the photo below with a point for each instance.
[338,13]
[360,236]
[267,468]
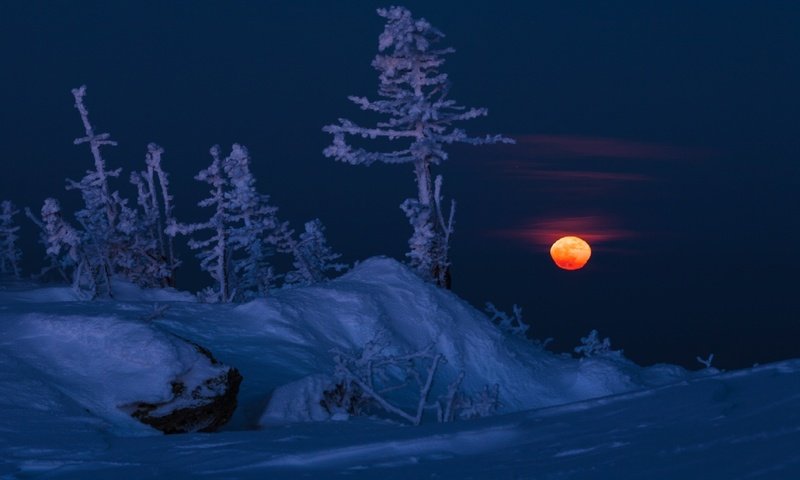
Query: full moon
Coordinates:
[570,253]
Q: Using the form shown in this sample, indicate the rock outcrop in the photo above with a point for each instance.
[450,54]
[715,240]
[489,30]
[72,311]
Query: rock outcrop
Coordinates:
[203,407]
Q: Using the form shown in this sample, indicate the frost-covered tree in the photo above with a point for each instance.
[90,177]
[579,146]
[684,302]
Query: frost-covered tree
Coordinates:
[10,254]
[255,231]
[65,245]
[313,258]
[110,229]
[154,254]
[214,251]
[414,97]
[101,205]
[52,261]
[244,229]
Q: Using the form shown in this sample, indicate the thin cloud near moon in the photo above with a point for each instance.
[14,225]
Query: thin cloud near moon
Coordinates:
[597,230]
[583,163]
[576,146]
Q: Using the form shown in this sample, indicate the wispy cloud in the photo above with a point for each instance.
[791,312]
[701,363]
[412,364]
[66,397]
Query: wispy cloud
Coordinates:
[575,146]
[598,230]
[583,163]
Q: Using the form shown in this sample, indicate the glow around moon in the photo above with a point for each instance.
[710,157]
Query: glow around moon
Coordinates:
[570,253]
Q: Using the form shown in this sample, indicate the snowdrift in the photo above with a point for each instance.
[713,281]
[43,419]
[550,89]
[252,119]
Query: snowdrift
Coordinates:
[103,355]
[66,367]
[283,345]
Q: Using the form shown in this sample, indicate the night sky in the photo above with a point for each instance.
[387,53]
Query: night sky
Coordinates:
[665,133]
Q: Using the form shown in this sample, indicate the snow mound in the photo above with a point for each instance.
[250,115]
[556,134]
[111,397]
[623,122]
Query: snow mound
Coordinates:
[104,356]
[103,363]
[382,296]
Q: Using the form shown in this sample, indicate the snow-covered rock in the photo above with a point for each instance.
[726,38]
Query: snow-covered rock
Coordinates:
[120,370]
[196,406]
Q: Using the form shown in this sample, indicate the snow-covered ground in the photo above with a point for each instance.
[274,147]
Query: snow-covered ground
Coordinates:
[68,369]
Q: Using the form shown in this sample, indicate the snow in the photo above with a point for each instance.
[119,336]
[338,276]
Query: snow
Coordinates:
[104,363]
[68,368]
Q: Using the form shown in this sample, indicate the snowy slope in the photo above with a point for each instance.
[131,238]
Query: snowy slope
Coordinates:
[737,425]
[66,368]
[289,336]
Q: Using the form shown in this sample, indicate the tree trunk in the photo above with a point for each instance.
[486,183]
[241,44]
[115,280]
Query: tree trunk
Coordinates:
[440,273]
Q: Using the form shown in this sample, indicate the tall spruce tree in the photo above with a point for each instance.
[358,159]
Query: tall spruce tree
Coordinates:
[414,97]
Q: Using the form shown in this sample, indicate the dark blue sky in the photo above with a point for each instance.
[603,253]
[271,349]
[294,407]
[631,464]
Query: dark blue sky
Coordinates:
[665,132]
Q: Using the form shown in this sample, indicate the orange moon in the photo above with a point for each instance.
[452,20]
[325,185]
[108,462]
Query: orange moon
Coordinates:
[570,253]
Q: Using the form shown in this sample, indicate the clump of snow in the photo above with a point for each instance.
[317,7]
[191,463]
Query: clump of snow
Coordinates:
[125,291]
[297,401]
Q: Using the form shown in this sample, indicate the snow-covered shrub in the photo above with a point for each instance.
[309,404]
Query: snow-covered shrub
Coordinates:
[414,97]
[313,258]
[379,376]
[10,255]
[244,230]
[482,404]
[512,324]
[707,363]
[375,373]
[344,398]
[591,345]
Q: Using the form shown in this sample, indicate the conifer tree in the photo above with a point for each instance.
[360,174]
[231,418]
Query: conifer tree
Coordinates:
[414,97]
[65,245]
[214,251]
[10,254]
[313,258]
[155,250]
[244,229]
[255,232]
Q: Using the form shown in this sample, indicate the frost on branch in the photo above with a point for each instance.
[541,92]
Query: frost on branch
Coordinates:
[429,245]
[52,261]
[414,96]
[379,376]
[313,258]
[255,232]
[155,263]
[10,255]
[372,377]
[485,403]
[244,230]
[512,324]
[88,271]
[706,362]
[214,250]
[591,345]
[423,238]
[128,241]
[101,206]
